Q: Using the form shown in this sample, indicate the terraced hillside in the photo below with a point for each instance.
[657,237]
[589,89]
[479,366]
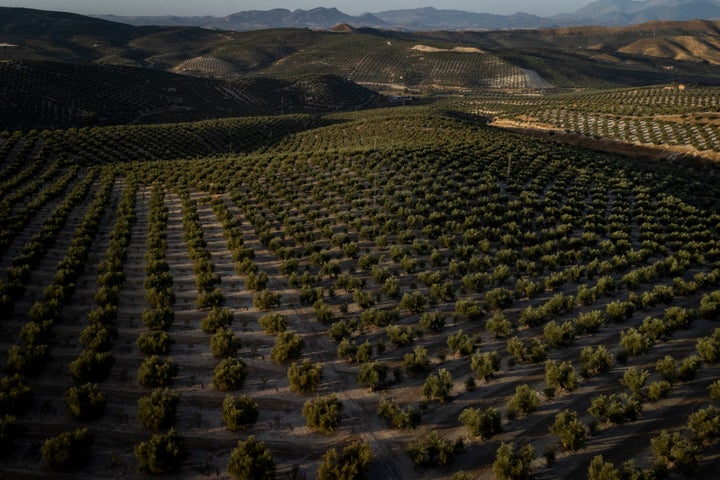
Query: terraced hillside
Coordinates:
[408,286]
[676,118]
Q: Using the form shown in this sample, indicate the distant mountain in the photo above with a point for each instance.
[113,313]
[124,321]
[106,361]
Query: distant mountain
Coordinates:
[629,12]
[600,13]
[430,18]
[317,18]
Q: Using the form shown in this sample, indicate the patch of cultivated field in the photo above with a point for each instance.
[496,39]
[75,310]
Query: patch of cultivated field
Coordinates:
[416,270]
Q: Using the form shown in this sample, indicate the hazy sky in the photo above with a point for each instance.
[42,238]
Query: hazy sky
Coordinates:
[353,7]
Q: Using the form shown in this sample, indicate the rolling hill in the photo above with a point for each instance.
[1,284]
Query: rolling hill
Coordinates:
[154,74]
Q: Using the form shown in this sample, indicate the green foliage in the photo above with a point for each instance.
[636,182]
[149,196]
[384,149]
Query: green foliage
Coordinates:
[615,408]
[372,374]
[288,347]
[323,413]
[432,321]
[157,411]
[658,389]
[485,364]
[216,319]
[482,423]
[500,326]
[162,453]
[350,465]
[461,343]
[674,450]
[499,298]
[667,368]
[560,375]
[413,302]
[434,450]
[438,386]
[468,309]
[635,342]
[704,425]
[713,388]
[305,377]
[154,343]
[688,368]
[524,401]
[417,361]
[224,344]
[239,412]
[599,469]
[571,431]
[273,323]
[85,402]
[266,300]
[251,459]
[158,318]
[92,366]
[68,450]
[229,374]
[408,417]
[559,335]
[595,360]
[157,372]
[510,464]
[400,337]
[15,395]
[635,380]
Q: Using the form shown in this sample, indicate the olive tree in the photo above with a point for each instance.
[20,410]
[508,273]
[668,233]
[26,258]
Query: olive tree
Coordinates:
[251,460]
[68,450]
[571,431]
[349,465]
[162,453]
[157,410]
[239,412]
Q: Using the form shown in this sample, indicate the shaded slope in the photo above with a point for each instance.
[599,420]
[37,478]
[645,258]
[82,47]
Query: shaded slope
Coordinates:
[51,95]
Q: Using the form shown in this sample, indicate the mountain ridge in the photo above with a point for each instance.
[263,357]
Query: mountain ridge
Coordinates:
[598,13]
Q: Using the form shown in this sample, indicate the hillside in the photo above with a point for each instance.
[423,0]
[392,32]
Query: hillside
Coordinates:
[440,61]
[36,94]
